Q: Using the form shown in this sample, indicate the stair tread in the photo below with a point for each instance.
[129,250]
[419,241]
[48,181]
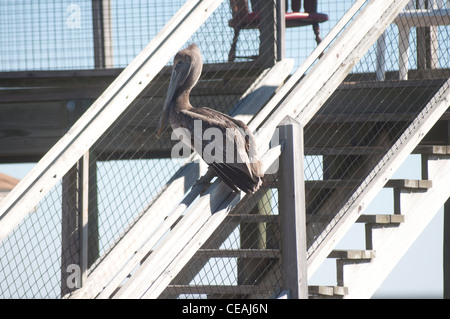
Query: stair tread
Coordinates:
[352,254]
[371,150]
[328,290]
[381,219]
[432,149]
[392,183]
[239,253]
[251,218]
[251,289]
[409,183]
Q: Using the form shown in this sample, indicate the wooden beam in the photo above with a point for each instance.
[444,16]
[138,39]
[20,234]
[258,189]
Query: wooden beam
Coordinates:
[102,31]
[107,108]
[268,33]
[291,201]
[446,245]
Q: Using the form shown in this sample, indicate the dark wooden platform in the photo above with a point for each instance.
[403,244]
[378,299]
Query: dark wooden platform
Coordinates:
[37,108]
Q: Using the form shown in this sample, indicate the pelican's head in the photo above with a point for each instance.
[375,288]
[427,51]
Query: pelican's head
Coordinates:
[187,67]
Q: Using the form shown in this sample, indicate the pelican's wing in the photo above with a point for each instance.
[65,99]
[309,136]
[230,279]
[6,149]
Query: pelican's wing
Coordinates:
[227,146]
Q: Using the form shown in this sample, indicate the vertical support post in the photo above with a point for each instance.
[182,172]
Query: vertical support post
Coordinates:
[381,58]
[427,47]
[446,244]
[268,32]
[102,26]
[281,29]
[446,257]
[291,194]
[79,250]
[83,213]
[69,234]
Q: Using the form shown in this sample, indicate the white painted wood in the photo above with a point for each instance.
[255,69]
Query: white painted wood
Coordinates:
[381,59]
[159,217]
[418,18]
[376,180]
[391,243]
[291,194]
[105,110]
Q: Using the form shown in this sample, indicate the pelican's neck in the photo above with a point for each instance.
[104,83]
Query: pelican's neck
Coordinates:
[182,101]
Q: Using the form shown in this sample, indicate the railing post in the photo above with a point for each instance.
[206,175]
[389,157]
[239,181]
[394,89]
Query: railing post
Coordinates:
[102,25]
[291,192]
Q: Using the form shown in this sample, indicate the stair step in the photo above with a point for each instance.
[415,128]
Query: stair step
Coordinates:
[352,254]
[221,289]
[409,184]
[238,253]
[432,149]
[313,291]
[381,219]
[327,291]
[372,150]
[251,218]
[344,150]
[393,183]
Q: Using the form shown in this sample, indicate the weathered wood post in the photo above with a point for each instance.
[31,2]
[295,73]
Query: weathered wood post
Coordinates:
[291,192]
[102,27]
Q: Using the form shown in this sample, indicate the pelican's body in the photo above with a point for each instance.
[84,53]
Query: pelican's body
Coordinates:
[234,158]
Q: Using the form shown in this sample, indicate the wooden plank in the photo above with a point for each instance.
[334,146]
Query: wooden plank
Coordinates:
[291,193]
[251,218]
[381,219]
[102,113]
[222,289]
[174,191]
[70,235]
[446,250]
[352,254]
[409,183]
[238,253]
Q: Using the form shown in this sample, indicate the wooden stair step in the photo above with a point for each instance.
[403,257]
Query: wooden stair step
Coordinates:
[409,184]
[432,149]
[251,218]
[221,289]
[353,254]
[381,219]
[344,150]
[393,183]
[327,291]
[331,183]
[238,253]
[371,150]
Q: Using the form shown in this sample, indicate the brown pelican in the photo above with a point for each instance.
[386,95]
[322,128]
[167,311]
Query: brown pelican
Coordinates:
[235,159]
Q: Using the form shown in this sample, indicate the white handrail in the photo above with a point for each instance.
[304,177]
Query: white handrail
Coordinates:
[105,110]
[410,18]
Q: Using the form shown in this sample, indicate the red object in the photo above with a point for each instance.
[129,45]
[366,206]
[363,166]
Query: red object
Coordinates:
[293,19]
[244,19]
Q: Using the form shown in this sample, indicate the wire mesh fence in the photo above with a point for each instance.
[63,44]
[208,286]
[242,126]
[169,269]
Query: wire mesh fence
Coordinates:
[129,168]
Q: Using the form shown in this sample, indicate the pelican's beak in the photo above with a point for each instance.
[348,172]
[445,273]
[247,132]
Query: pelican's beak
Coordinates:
[180,73]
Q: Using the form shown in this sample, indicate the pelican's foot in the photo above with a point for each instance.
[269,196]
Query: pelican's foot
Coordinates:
[205,180]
